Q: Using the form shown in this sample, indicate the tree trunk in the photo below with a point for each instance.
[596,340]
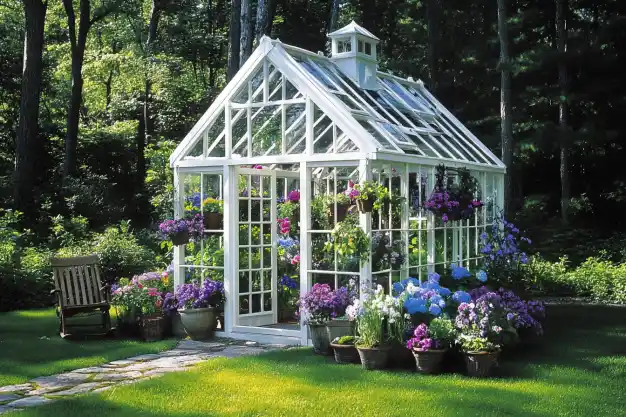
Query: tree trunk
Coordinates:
[245,50]
[235,33]
[148,125]
[78,42]
[271,12]
[561,35]
[506,123]
[28,144]
[432,17]
[333,21]
[261,20]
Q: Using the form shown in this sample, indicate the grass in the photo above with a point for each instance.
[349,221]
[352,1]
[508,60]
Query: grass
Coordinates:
[580,370]
[30,346]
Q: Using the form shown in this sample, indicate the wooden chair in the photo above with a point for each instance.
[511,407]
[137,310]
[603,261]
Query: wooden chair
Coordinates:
[79,290]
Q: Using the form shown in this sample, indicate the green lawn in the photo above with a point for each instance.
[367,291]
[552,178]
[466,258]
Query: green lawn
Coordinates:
[30,346]
[579,371]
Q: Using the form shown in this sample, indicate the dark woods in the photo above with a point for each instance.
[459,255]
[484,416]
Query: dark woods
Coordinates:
[94,94]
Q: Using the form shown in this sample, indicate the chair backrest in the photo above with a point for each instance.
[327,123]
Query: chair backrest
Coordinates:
[78,281]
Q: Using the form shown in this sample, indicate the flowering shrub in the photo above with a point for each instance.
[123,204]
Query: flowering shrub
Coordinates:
[427,298]
[501,248]
[519,313]
[194,295]
[349,239]
[285,225]
[439,335]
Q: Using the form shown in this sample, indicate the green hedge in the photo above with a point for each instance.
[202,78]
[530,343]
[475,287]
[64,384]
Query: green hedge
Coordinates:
[598,278]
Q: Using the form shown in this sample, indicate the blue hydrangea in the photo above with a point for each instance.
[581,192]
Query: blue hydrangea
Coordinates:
[397,288]
[481,276]
[437,300]
[434,277]
[461,297]
[458,272]
[435,310]
[444,292]
[415,305]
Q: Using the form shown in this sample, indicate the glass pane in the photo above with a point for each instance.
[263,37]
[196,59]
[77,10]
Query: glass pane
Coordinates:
[244,304]
[244,262]
[267,301]
[256,281]
[316,73]
[256,303]
[244,283]
[267,280]
[266,131]
[377,135]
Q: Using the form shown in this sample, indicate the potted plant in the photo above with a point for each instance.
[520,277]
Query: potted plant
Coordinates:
[343,203]
[456,201]
[176,230]
[344,350]
[196,306]
[430,343]
[152,322]
[348,238]
[483,326]
[369,192]
[125,298]
[213,210]
[397,331]
[316,309]
[370,315]
[340,325]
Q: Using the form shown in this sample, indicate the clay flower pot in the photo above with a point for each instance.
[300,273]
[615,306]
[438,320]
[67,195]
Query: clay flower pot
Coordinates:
[345,353]
[198,322]
[374,358]
[339,328]
[319,337]
[480,364]
[429,361]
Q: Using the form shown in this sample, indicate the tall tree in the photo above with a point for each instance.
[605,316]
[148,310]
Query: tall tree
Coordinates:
[234,35]
[506,124]
[147,126]
[333,21]
[246,33]
[262,17]
[78,44]
[561,41]
[432,19]
[27,144]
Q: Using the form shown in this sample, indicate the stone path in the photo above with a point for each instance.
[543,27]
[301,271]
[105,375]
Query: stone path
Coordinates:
[128,371]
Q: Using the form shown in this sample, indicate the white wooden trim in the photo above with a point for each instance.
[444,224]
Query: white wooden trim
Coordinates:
[365,220]
[305,239]
[179,209]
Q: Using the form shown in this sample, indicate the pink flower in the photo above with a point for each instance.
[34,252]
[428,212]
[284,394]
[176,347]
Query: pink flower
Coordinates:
[164,274]
[295,260]
[350,184]
[294,196]
[158,303]
[153,292]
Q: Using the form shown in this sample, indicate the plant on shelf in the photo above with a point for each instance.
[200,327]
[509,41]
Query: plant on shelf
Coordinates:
[197,304]
[456,201]
[370,315]
[176,230]
[213,210]
[349,239]
[430,342]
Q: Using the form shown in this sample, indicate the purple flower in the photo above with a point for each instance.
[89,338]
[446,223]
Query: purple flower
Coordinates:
[209,294]
[294,196]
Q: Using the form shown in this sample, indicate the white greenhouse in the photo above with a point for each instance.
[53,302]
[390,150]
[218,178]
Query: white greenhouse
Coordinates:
[280,147]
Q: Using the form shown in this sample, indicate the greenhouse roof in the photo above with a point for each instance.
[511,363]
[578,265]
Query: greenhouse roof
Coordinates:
[399,116]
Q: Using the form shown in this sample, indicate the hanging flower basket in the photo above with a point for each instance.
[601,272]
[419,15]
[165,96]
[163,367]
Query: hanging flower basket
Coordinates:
[453,202]
[180,238]
[342,212]
[428,361]
[480,364]
[365,206]
[213,221]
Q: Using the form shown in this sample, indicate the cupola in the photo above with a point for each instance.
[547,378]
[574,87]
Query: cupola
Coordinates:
[354,52]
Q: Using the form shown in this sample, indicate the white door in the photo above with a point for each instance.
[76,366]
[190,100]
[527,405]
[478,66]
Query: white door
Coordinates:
[256,288]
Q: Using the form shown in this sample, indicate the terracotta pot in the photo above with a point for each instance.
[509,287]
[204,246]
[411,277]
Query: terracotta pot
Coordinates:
[180,238]
[213,221]
[429,361]
[339,328]
[374,358]
[319,337]
[479,364]
[345,354]
[198,322]
[366,206]
[152,328]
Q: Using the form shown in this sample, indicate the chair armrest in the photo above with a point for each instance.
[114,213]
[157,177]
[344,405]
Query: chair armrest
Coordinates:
[55,291]
[106,291]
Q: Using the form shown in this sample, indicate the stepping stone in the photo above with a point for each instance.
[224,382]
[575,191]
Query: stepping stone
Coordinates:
[57,382]
[236,351]
[5,409]
[195,345]
[117,364]
[251,343]
[141,366]
[29,402]
[108,387]
[179,352]
[117,376]
[8,397]
[159,372]
[94,370]
[141,358]
[16,388]
[78,389]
